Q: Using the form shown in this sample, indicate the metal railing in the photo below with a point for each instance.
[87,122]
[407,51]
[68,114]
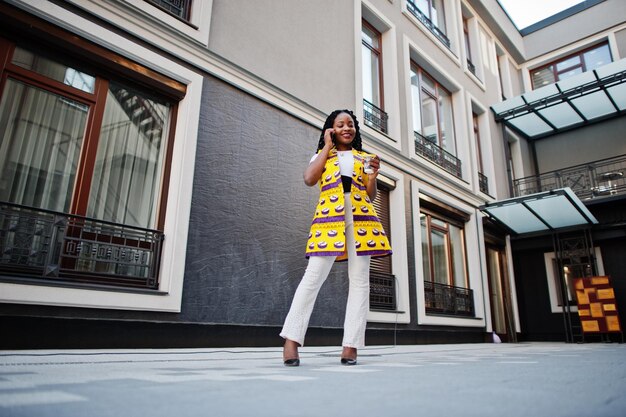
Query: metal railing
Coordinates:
[60,247]
[382,291]
[471,67]
[603,178]
[374,116]
[429,150]
[415,11]
[449,300]
[179,8]
[483,183]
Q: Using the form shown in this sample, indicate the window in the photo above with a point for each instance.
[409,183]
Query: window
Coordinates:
[431,14]
[571,65]
[433,121]
[468,49]
[373,104]
[382,281]
[482,179]
[179,8]
[444,263]
[443,250]
[84,162]
[50,145]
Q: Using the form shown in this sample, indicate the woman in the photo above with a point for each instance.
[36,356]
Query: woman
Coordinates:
[345,226]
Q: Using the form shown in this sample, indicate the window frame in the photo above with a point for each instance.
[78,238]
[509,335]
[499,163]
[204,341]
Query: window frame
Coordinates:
[186,88]
[96,102]
[415,68]
[426,196]
[431,214]
[554,63]
[378,52]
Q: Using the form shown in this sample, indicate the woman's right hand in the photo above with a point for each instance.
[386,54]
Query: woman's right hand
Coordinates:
[328,138]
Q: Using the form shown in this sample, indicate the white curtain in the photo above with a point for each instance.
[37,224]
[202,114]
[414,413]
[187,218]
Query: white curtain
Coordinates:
[40,139]
[128,170]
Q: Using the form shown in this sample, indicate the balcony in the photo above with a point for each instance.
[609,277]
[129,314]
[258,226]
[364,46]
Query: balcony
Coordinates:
[603,178]
[483,183]
[448,300]
[429,150]
[415,11]
[178,8]
[382,291]
[471,67]
[374,116]
[52,247]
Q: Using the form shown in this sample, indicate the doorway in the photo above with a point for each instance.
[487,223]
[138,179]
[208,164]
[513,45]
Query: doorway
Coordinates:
[500,293]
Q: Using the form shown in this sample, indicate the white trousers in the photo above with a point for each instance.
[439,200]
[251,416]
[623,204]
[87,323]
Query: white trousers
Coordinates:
[317,271]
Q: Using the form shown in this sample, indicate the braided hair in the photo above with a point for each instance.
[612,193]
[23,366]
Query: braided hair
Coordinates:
[330,120]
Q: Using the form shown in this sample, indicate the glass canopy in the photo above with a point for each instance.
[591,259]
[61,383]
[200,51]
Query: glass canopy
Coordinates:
[576,101]
[545,211]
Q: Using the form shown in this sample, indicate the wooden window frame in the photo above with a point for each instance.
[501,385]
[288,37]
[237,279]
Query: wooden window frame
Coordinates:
[467,39]
[450,216]
[479,153]
[435,95]
[82,54]
[554,63]
[379,54]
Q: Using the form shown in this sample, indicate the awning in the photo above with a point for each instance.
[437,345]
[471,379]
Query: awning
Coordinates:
[580,100]
[546,211]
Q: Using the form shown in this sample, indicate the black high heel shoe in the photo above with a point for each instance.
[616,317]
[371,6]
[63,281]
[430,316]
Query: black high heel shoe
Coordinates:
[348,361]
[292,362]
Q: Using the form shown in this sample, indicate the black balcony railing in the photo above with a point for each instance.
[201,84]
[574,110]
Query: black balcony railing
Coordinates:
[415,11]
[179,8]
[449,300]
[374,117]
[382,291]
[58,247]
[471,67]
[429,150]
[603,178]
[483,183]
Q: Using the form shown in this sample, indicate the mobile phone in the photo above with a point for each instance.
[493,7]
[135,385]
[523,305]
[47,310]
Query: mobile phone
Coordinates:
[332,135]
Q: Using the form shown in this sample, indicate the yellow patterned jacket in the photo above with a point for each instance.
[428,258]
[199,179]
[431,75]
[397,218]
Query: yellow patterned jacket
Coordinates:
[327,235]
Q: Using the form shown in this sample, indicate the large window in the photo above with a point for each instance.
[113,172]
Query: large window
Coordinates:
[443,251]
[444,260]
[432,110]
[433,122]
[373,104]
[468,48]
[483,182]
[74,142]
[571,65]
[431,14]
[85,155]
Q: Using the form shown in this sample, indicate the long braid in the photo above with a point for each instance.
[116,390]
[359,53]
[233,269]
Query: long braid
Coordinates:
[330,120]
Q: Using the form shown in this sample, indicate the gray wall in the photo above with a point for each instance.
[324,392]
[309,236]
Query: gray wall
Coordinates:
[250,215]
[305,49]
[582,145]
[581,25]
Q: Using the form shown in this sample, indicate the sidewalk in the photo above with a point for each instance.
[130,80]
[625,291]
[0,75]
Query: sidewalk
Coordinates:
[526,379]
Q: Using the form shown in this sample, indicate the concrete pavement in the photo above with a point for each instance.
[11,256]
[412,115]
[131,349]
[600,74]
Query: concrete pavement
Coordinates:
[526,379]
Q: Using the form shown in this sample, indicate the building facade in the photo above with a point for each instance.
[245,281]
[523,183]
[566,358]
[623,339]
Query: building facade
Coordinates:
[152,156]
